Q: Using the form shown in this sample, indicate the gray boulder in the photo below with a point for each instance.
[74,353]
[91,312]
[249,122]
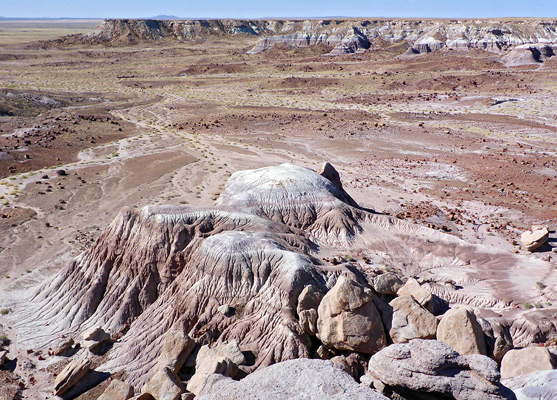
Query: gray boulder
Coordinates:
[539,385]
[387,284]
[422,368]
[294,379]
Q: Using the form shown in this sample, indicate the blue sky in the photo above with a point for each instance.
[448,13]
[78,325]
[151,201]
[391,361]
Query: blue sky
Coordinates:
[282,8]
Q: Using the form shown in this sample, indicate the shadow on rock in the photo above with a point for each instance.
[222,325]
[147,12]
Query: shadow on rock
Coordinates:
[89,381]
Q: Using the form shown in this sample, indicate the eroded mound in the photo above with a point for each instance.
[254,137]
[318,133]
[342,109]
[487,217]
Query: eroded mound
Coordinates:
[247,271]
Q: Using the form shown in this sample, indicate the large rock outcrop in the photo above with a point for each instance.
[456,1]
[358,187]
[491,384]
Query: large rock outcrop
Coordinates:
[295,379]
[423,367]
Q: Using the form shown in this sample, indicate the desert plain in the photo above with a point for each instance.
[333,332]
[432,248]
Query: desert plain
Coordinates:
[455,142]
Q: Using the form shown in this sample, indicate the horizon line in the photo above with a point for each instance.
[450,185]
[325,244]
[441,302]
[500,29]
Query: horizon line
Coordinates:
[268,18]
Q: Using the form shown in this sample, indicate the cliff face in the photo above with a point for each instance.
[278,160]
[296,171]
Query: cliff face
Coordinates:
[131,31]
[343,36]
[421,36]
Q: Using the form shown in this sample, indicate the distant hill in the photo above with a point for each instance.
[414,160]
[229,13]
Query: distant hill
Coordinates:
[46,19]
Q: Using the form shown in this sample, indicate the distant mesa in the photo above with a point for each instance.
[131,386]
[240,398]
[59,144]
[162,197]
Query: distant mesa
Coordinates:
[343,36]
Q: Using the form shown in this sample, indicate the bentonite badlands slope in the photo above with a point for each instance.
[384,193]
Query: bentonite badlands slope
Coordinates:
[344,36]
[271,239]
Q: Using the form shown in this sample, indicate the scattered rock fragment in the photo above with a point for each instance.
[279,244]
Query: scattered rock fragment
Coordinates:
[323,353]
[352,364]
[527,360]
[71,375]
[225,310]
[532,240]
[64,348]
[93,337]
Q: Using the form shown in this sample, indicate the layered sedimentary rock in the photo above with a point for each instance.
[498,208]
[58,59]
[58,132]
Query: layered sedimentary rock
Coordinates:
[421,36]
[528,54]
[341,35]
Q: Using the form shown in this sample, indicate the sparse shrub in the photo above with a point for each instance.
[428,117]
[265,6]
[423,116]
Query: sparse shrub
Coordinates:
[4,311]
[527,305]
[541,285]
